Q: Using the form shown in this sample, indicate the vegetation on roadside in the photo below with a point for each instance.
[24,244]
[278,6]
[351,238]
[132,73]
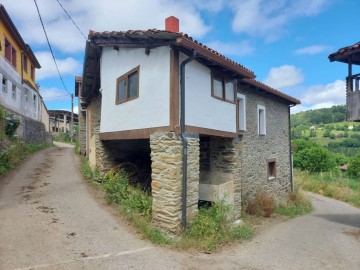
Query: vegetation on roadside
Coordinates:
[16,153]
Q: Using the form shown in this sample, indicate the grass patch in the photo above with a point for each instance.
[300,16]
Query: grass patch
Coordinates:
[16,153]
[333,185]
[296,205]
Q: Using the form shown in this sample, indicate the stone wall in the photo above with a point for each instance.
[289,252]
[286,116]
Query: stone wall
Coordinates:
[166,157]
[82,132]
[254,150]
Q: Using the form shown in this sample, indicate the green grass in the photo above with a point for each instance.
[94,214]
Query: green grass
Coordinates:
[333,185]
[18,151]
[296,205]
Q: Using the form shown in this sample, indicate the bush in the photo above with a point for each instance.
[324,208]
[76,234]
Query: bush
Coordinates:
[11,125]
[314,159]
[354,167]
[340,159]
[296,205]
[262,205]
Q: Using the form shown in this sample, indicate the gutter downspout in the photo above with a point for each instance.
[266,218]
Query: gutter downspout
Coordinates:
[184,138]
[291,155]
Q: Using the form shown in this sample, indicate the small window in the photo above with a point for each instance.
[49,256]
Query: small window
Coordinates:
[261,120]
[25,64]
[32,72]
[13,91]
[10,52]
[241,112]
[127,86]
[4,85]
[26,94]
[271,168]
[222,88]
[34,100]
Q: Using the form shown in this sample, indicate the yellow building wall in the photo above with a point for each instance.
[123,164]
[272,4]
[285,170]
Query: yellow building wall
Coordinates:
[4,32]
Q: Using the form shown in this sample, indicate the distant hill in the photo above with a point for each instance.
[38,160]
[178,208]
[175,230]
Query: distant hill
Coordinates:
[319,116]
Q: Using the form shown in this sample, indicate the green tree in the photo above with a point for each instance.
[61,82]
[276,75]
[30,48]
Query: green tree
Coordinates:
[354,167]
[314,159]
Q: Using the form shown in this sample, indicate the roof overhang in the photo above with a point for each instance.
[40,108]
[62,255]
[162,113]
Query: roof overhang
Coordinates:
[349,54]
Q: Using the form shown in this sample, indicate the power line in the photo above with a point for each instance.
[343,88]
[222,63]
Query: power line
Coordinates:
[71,19]
[52,53]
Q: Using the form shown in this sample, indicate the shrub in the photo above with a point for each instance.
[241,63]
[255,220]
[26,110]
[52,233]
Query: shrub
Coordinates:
[314,159]
[340,159]
[262,205]
[12,124]
[354,167]
[296,205]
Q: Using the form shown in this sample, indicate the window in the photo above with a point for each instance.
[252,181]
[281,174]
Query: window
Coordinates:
[241,112]
[13,91]
[10,52]
[271,168]
[261,120]
[34,100]
[26,94]
[25,64]
[32,74]
[4,85]
[222,88]
[127,86]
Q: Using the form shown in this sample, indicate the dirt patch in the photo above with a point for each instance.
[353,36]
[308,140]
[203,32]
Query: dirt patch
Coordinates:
[353,233]
[45,209]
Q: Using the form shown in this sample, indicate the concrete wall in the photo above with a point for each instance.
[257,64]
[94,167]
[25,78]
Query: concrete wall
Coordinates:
[202,110]
[152,107]
[253,149]
[45,119]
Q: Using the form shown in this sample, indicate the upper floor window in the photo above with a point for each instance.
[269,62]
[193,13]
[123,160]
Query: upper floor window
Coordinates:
[222,87]
[241,112]
[4,85]
[32,72]
[25,64]
[34,100]
[10,52]
[127,86]
[261,120]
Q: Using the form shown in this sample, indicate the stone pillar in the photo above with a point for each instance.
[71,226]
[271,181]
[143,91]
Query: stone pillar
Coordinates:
[166,157]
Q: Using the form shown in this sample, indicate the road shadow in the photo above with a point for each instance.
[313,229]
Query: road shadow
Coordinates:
[347,219]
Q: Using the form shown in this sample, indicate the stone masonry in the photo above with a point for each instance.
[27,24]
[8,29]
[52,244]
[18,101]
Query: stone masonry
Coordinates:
[253,150]
[166,157]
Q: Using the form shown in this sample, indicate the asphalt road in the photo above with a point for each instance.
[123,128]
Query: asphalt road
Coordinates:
[51,219]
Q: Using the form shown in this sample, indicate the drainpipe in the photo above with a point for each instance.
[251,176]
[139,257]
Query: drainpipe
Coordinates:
[184,138]
[291,155]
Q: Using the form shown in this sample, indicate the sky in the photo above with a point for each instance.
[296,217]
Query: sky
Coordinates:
[285,42]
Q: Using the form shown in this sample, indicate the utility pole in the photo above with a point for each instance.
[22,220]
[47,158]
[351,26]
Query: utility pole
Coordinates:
[72,118]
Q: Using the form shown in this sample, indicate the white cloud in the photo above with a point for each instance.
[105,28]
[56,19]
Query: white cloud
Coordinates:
[284,76]
[105,15]
[67,66]
[322,96]
[311,50]
[232,48]
[54,94]
[268,18]
[76,109]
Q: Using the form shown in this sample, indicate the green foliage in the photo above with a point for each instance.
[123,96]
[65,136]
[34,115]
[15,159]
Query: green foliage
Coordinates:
[296,205]
[119,191]
[340,159]
[12,124]
[312,133]
[16,153]
[314,159]
[62,137]
[354,167]
[301,144]
[212,227]
[327,133]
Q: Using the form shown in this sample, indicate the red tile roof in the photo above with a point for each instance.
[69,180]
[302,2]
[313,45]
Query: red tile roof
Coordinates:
[342,54]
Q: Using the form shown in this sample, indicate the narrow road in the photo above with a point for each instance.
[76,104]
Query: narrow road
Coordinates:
[50,219]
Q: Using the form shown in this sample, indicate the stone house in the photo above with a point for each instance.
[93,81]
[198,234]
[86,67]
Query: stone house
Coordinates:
[206,127]
[19,94]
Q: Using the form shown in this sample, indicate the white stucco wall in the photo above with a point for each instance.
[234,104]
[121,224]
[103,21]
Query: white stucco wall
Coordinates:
[202,110]
[152,107]
[18,104]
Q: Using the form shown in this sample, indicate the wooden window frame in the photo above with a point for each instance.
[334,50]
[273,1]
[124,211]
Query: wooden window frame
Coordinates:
[271,168]
[224,79]
[32,72]
[261,123]
[126,77]
[12,58]
[25,63]
[240,119]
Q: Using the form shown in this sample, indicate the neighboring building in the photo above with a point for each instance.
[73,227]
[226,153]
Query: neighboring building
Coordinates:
[60,121]
[351,56]
[45,118]
[206,127]
[19,93]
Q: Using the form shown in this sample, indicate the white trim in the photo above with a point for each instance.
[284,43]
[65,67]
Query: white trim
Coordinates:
[261,119]
[242,111]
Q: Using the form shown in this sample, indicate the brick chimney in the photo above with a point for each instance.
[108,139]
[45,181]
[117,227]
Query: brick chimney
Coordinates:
[172,24]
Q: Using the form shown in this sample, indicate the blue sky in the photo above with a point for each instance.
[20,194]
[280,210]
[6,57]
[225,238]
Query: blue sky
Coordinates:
[285,42]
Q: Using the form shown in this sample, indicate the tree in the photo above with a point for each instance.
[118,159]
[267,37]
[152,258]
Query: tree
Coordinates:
[327,133]
[312,132]
[314,159]
[354,167]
